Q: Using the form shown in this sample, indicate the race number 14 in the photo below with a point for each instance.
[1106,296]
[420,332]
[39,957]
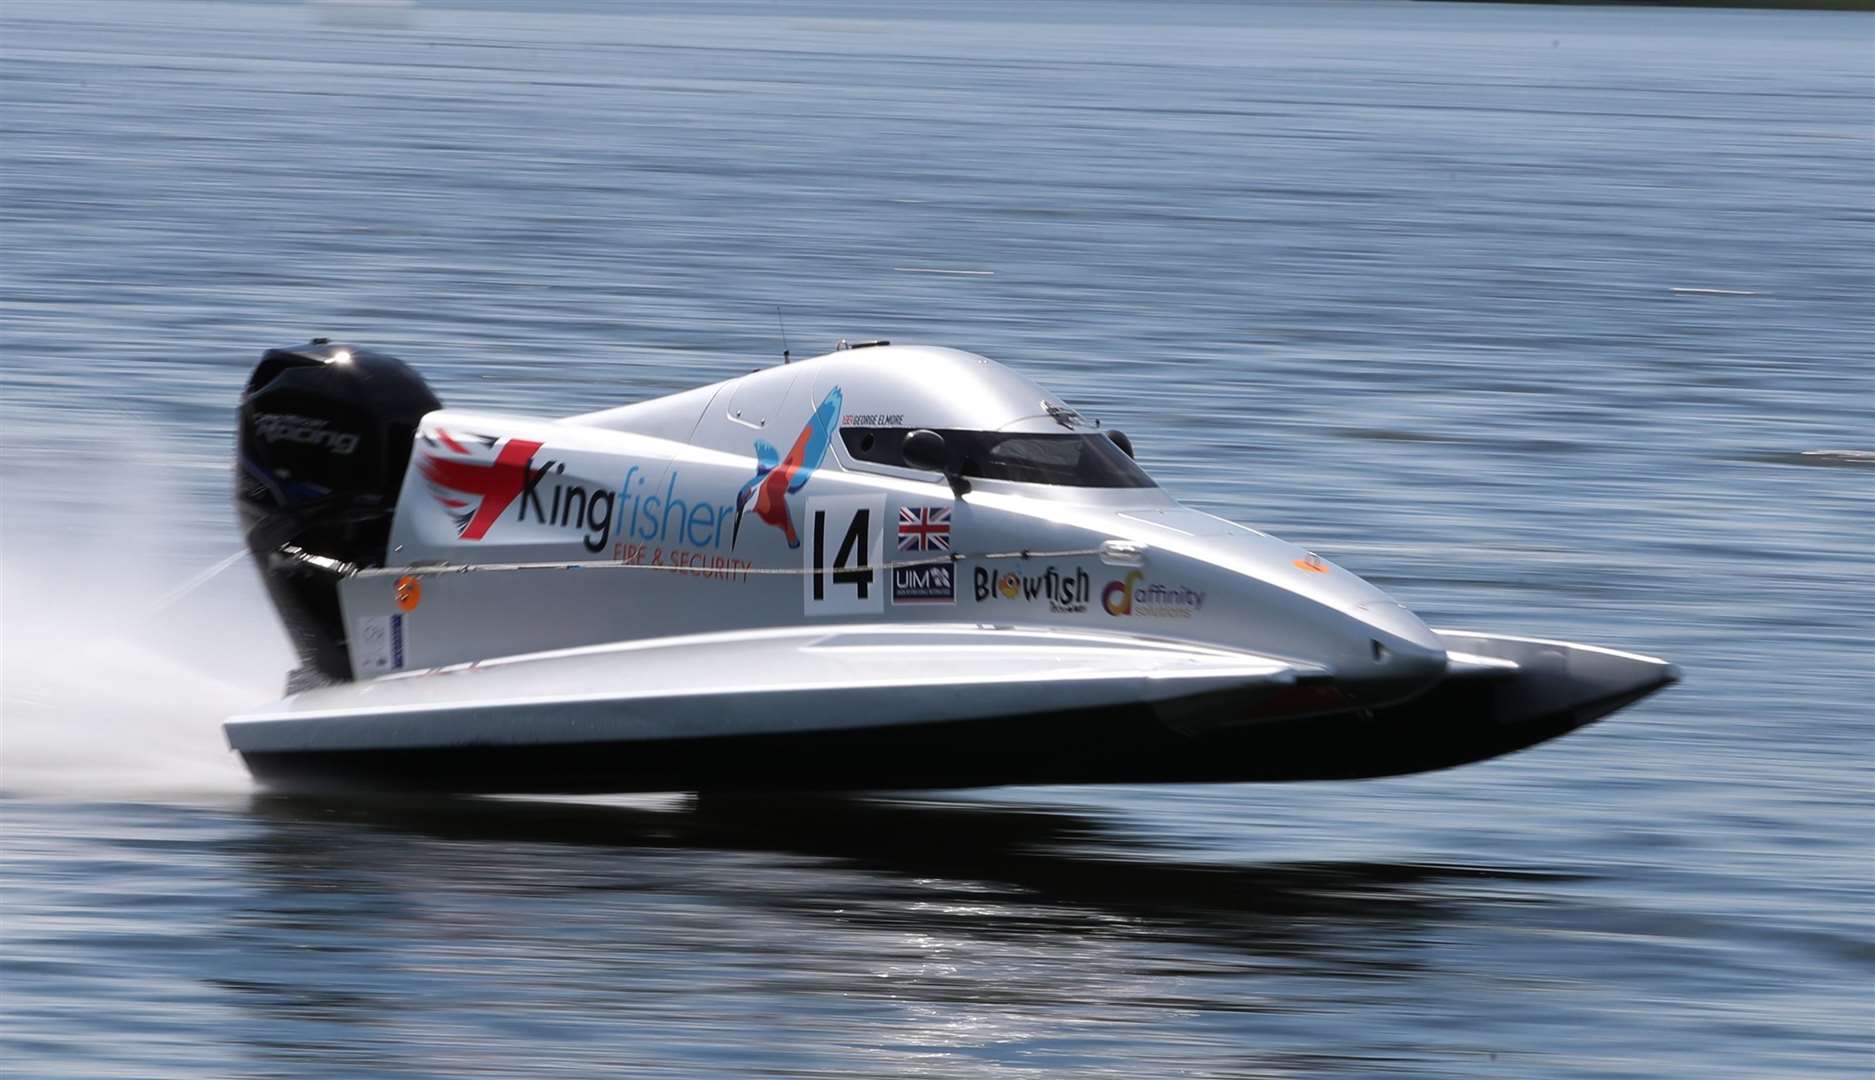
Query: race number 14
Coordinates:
[845,537]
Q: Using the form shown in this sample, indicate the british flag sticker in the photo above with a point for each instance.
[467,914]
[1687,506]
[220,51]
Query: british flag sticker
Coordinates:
[924,532]
[924,529]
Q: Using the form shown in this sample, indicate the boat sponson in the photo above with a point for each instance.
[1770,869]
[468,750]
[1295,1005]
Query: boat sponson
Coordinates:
[1557,689]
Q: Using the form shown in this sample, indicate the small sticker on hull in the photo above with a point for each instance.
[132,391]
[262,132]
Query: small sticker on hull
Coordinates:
[1134,595]
[409,593]
[1062,591]
[924,529]
[378,646]
[935,583]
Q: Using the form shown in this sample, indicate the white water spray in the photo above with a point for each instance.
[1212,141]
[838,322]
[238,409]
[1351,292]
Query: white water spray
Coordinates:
[117,665]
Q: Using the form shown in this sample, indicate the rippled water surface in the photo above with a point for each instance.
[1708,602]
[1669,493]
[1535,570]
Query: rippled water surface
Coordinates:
[1551,321]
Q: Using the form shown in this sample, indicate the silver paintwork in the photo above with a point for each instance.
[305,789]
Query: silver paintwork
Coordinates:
[798,679]
[669,613]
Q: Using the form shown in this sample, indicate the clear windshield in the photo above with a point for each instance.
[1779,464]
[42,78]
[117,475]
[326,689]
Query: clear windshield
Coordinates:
[1066,460]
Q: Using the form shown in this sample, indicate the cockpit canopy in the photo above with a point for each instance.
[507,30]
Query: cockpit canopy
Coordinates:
[996,424]
[1066,459]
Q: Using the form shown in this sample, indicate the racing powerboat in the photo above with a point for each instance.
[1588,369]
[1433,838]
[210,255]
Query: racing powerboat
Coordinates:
[884,567]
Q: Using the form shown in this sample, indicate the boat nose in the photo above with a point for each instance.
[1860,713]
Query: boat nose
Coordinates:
[1403,657]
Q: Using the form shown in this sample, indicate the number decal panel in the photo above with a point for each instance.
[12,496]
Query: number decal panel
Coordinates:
[845,538]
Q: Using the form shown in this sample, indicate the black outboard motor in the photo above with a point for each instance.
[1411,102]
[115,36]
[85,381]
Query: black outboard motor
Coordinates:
[325,436]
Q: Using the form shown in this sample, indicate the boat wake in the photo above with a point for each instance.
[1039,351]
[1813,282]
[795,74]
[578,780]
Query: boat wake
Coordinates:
[114,679]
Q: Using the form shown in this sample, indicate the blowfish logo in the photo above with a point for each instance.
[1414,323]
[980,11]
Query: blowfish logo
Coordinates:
[458,485]
[777,477]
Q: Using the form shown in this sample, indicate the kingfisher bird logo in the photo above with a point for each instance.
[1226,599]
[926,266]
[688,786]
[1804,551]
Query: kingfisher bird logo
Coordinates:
[475,493]
[778,477]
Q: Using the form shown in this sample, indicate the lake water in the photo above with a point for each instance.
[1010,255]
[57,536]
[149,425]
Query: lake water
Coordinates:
[1551,321]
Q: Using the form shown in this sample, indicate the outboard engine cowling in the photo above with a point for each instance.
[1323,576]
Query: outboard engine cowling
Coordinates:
[324,439]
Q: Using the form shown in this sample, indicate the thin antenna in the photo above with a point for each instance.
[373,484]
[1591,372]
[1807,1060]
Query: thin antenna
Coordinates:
[779,321]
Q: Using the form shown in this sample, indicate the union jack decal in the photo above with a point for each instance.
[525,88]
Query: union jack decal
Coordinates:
[472,492]
[924,528]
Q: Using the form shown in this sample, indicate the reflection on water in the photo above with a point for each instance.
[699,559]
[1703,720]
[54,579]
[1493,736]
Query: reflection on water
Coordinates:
[279,936]
[1059,861]
[1008,932]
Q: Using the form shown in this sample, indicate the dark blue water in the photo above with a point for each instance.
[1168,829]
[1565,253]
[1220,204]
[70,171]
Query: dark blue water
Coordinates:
[1551,321]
